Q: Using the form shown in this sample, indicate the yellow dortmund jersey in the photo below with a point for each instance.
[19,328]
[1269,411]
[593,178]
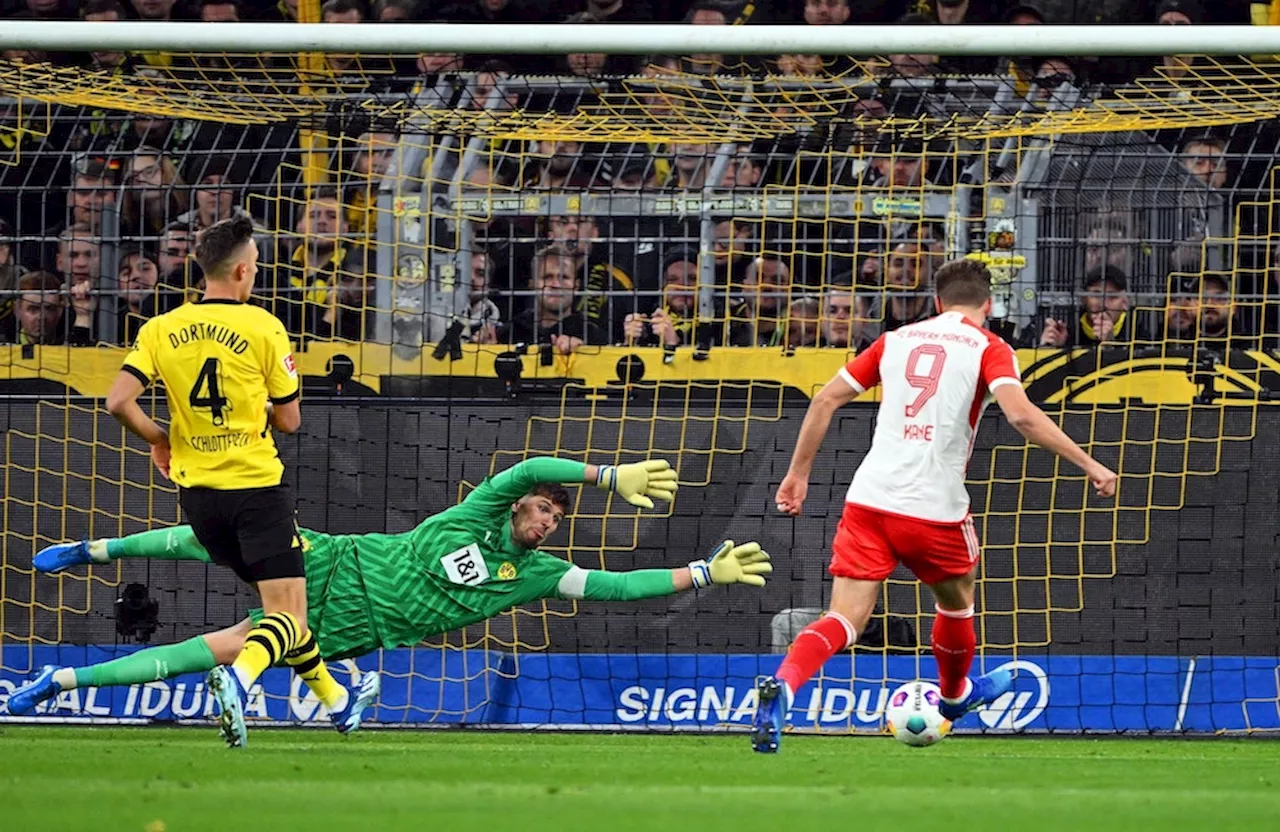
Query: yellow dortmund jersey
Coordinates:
[220,362]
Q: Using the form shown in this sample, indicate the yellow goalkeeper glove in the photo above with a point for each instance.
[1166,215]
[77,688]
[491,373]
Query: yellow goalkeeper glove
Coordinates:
[639,483]
[745,563]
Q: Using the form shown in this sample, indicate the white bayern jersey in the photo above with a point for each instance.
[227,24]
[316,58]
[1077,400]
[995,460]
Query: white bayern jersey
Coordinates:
[936,377]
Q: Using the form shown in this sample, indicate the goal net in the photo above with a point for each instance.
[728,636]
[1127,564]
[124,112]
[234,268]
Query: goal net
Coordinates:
[781,211]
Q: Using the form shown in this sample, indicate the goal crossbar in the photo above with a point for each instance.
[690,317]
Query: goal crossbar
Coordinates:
[640,39]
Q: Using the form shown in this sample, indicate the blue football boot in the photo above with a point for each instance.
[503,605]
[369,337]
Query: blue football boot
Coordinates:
[983,691]
[224,684]
[359,697]
[24,700]
[60,556]
[771,713]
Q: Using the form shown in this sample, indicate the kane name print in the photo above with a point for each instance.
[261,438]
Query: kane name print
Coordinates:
[466,566]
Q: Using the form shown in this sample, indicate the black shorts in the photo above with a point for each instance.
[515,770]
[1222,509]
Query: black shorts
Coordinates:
[251,531]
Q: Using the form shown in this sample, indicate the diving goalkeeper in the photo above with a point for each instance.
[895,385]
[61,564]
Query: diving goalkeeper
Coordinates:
[458,567]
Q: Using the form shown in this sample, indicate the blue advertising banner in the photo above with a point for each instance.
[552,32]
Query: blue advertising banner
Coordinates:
[1094,694]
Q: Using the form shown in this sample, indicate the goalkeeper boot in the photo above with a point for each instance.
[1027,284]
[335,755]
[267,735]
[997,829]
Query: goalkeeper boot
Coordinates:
[24,700]
[982,691]
[360,696]
[225,686]
[59,556]
[771,712]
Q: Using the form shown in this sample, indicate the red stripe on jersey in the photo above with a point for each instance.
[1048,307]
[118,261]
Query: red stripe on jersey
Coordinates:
[865,366]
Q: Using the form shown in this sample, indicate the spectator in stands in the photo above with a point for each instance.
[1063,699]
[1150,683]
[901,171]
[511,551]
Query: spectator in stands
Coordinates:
[154,9]
[342,11]
[79,255]
[173,251]
[826,12]
[1177,13]
[395,11]
[137,282]
[370,162]
[748,169]
[1205,158]
[913,65]
[557,166]
[766,293]
[607,296]
[220,11]
[1104,315]
[321,252]
[803,322]
[45,10]
[593,64]
[10,270]
[39,314]
[345,314]
[635,173]
[731,243]
[488,76]
[908,284]
[837,313]
[484,319]
[92,190]
[215,196]
[1108,243]
[671,323]
[105,11]
[1201,310]
[1052,75]
[154,195]
[707,13]
[552,318]
[690,165]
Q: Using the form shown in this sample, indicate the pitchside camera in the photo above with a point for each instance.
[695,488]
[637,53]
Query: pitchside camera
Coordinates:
[137,613]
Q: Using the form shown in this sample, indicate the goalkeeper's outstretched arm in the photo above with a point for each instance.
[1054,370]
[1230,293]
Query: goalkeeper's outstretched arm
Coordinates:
[744,563]
[639,483]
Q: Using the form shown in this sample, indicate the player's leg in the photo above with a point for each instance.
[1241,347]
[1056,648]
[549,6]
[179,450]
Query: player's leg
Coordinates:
[177,543]
[271,549]
[861,559]
[195,655]
[945,557]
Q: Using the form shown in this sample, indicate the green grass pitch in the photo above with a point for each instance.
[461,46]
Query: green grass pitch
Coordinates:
[167,780]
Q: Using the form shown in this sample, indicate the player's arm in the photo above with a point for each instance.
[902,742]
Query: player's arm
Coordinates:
[139,370]
[745,563]
[639,483]
[284,412]
[855,378]
[1033,423]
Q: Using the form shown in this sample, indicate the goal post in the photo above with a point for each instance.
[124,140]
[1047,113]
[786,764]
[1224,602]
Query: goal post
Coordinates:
[642,39]
[850,181]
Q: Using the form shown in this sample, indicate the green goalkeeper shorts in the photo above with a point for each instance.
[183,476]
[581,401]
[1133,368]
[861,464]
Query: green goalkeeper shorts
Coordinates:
[337,609]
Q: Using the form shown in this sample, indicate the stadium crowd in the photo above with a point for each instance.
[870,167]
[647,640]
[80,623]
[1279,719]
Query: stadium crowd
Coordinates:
[101,208]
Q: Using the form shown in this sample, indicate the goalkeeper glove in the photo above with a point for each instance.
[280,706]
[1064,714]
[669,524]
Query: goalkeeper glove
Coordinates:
[745,563]
[639,483]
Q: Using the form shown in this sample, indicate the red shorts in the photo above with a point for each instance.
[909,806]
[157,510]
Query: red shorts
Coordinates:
[870,543]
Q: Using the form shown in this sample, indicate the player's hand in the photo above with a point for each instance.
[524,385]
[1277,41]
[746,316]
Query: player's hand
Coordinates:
[745,563]
[1103,479]
[791,494]
[160,456]
[640,483]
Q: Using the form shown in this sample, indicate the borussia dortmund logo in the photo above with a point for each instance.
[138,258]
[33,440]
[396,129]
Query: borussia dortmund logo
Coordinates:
[507,571]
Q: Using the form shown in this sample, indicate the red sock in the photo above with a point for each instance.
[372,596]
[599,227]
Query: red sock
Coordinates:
[953,646]
[816,643]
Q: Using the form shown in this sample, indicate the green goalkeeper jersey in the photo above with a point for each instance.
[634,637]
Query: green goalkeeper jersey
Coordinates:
[455,568]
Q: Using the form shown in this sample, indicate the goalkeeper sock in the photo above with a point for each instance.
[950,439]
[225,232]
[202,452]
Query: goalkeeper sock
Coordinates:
[149,665]
[816,643]
[306,662]
[954,643]
[178,543]
[266,644]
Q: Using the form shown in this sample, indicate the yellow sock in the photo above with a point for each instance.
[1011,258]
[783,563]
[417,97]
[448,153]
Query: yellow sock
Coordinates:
[275,635]
[306,662]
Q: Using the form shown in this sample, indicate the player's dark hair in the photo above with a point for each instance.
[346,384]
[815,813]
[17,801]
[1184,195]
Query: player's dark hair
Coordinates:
[553,491]
[217,244]
[963,283]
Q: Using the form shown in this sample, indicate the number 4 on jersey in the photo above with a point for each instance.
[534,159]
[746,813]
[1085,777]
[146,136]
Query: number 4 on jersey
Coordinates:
[206,393]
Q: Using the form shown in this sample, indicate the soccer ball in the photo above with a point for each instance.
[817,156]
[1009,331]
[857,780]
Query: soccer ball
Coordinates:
[913,717]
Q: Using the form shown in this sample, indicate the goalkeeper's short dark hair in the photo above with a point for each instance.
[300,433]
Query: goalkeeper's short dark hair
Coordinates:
[963,282]
[553,491]
[218,244]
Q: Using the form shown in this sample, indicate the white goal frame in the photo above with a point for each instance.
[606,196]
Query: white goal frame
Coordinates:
[639,39]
